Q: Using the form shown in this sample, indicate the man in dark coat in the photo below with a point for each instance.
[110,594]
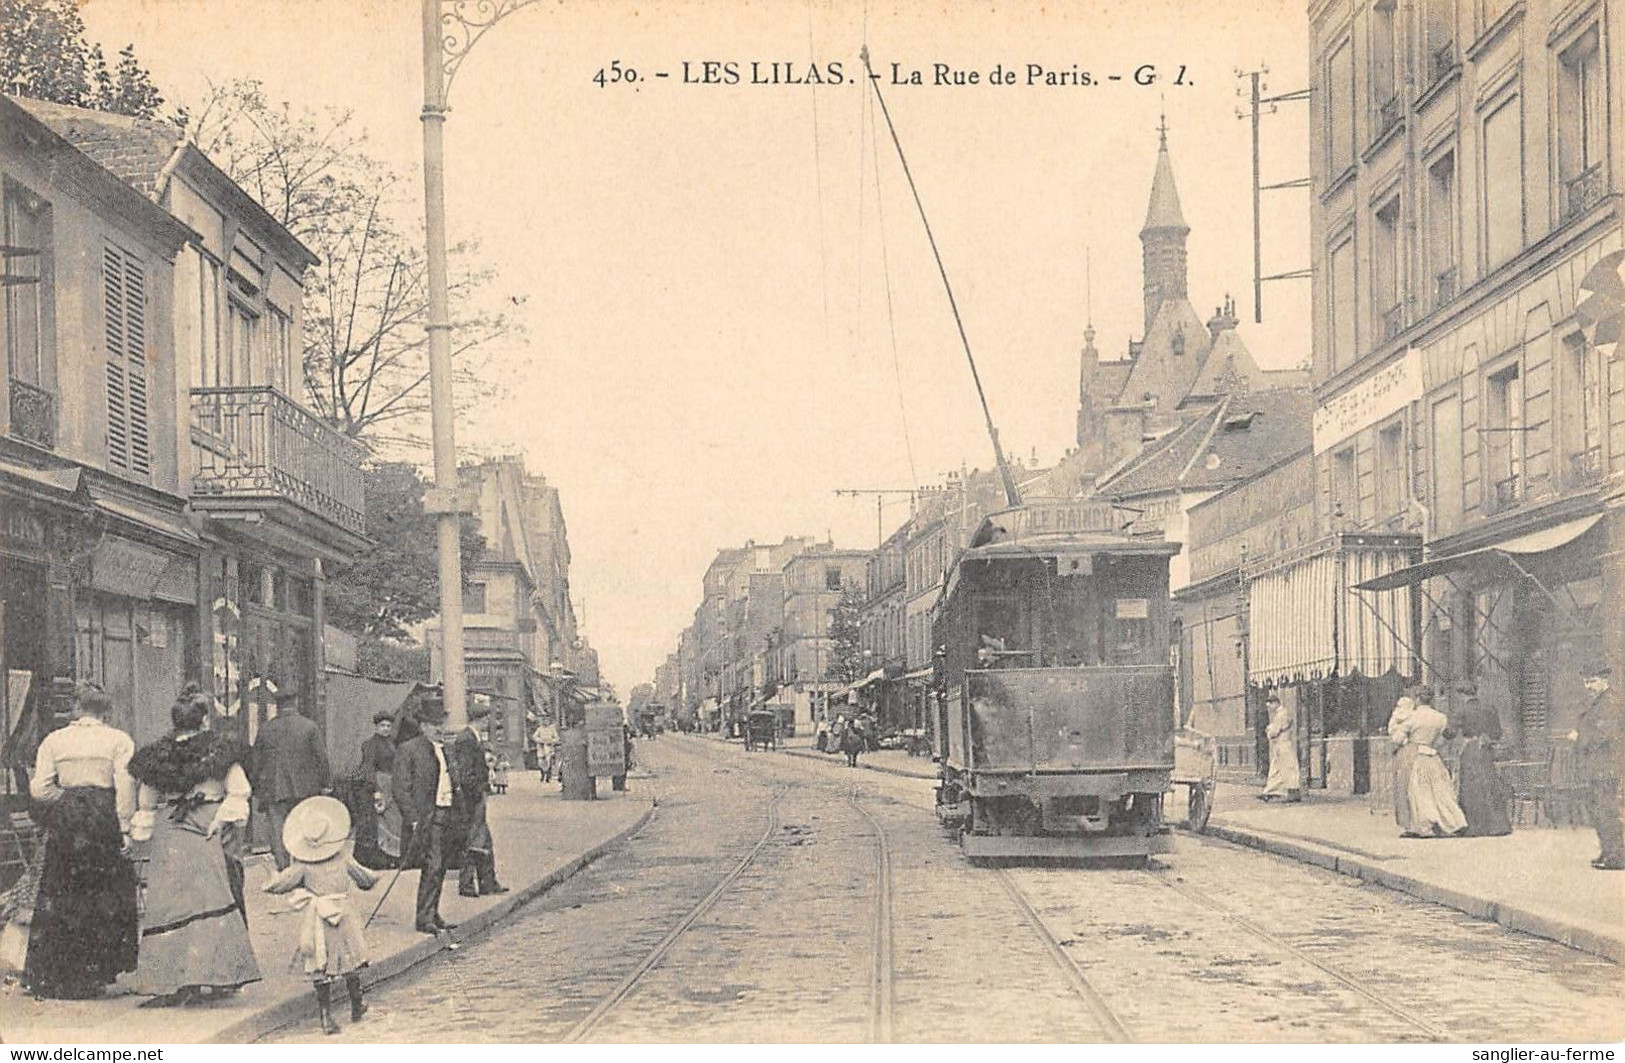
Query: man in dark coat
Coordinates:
[471,782]
[432,834]
[289,764]
[372,791]
[1600,743]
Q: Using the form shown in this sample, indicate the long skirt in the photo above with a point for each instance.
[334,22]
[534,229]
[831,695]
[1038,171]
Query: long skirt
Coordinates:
[1433,797]
[84,928]
[1484,798]
[1285,775]
[193,933]
[1404,760]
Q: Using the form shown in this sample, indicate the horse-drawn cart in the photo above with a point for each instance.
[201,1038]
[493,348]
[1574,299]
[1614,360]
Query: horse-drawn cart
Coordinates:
[762,730]
[1196,767]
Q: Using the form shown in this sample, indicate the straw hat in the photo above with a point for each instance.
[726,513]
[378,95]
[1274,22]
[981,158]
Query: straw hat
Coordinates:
[316,829]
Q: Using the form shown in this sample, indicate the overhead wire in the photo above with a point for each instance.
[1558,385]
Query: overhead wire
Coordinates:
[891,314]
[818,181]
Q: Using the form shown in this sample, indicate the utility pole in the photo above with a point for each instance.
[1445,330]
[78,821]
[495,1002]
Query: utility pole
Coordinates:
[1258,103]
[880,494]
[448,34]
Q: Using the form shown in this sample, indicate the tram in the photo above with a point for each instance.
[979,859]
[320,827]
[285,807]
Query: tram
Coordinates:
[1055,699]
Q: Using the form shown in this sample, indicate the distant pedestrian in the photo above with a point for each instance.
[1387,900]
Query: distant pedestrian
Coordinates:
[332,941]
[83,933]
[1434,810]
[373,824]
[432,831]
[851,742]
[191,806]
[289,765]
[1285,780]
[1600,742]
[546,738]
[1479,789]
[471,782]
[499,776]
[1404,757]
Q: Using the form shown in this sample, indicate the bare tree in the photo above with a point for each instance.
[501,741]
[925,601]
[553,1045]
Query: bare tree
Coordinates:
[365,350]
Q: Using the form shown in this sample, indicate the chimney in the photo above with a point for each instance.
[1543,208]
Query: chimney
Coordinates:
[1223,319]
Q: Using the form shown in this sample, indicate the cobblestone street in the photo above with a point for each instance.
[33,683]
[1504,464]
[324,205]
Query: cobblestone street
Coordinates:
[776,899]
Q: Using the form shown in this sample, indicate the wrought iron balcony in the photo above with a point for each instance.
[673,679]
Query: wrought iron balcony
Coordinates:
[33,414]
[1444,286]
[1387,117]
[1585,191]
[1508,493]
[1393,321]
[254,444]
[1441,61]
[1585,467]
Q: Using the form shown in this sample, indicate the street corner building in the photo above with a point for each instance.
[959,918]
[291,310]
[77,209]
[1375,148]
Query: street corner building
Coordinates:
[168,508]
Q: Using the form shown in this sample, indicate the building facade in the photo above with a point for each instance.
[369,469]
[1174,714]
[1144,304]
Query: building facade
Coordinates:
[1465,160]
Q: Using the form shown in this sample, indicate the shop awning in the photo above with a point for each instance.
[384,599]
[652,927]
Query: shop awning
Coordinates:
[1536,542]
[1307,621]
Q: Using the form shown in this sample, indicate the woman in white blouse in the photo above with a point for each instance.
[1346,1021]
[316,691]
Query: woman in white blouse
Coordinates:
[84,924]
[194,794]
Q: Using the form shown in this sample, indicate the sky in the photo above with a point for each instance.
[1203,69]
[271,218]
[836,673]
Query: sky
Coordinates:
[730,306]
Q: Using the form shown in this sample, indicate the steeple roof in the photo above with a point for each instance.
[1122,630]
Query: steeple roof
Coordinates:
[1164,212]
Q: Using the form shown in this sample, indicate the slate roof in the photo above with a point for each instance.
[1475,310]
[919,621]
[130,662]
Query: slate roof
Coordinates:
[1163,211]
[1232,440]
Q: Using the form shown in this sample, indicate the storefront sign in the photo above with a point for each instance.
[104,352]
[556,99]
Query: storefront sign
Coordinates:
[122,567]
[1387,391]
[22,528]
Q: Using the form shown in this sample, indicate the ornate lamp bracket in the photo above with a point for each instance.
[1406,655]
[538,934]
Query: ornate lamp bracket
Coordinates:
[464,22]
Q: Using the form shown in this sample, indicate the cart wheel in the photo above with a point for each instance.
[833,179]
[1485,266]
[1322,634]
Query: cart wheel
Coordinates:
[1201,806]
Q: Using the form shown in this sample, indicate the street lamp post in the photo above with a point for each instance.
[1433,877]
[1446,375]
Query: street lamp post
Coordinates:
[450,28]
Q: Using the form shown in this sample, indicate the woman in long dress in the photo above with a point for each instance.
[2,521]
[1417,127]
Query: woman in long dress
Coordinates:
[83,932]
[1404,757]
[1434,810]
[1484,798]
[193,794]
[1285,779]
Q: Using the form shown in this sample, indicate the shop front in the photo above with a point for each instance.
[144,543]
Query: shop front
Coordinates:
[1515,618]
[1335,655]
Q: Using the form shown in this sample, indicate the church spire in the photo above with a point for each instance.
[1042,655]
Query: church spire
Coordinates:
[1162,237]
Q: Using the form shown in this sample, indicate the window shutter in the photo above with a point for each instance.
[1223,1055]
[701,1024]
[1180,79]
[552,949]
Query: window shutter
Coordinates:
[118,396]
[124,305]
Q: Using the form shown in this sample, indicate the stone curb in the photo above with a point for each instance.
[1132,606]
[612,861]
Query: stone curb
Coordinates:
[1610,946]
[810,754]
[302,1005]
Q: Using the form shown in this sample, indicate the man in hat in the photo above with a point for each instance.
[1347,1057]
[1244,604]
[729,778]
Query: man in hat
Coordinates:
[1598,734]
[431,833]
[289,764]
[471,782]
[377,762]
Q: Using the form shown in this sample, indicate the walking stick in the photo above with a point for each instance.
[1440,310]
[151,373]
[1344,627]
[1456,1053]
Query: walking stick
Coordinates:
[406,855]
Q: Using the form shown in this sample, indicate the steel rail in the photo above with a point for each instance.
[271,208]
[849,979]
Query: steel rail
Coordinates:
[1115,1031]
[880,981]
[1434,1032]
[624,988]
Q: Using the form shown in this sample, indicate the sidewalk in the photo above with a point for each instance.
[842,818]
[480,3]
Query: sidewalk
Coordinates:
[888,761]
[1537,880]
[541,840]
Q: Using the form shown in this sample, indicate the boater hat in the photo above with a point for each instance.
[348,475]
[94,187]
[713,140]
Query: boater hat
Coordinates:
[316,829]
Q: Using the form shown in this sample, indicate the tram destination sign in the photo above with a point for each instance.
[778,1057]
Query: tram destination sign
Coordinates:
[1048,517]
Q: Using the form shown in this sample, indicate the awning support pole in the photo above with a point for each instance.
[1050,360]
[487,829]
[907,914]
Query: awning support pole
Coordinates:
[1397,636]
[1556,601]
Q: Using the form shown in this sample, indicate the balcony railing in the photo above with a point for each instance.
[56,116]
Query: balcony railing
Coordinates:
[33,414]
[256,443]
[1393,321]
[1387,117]
[1508,493]
[1585,191]
[1441,61]
[1585,467]
[1444,286]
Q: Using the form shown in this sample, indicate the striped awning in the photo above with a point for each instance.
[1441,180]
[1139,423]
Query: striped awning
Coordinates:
[1306,620]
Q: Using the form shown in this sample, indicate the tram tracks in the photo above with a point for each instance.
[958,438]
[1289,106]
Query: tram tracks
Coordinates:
[625,987]
[881,986]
